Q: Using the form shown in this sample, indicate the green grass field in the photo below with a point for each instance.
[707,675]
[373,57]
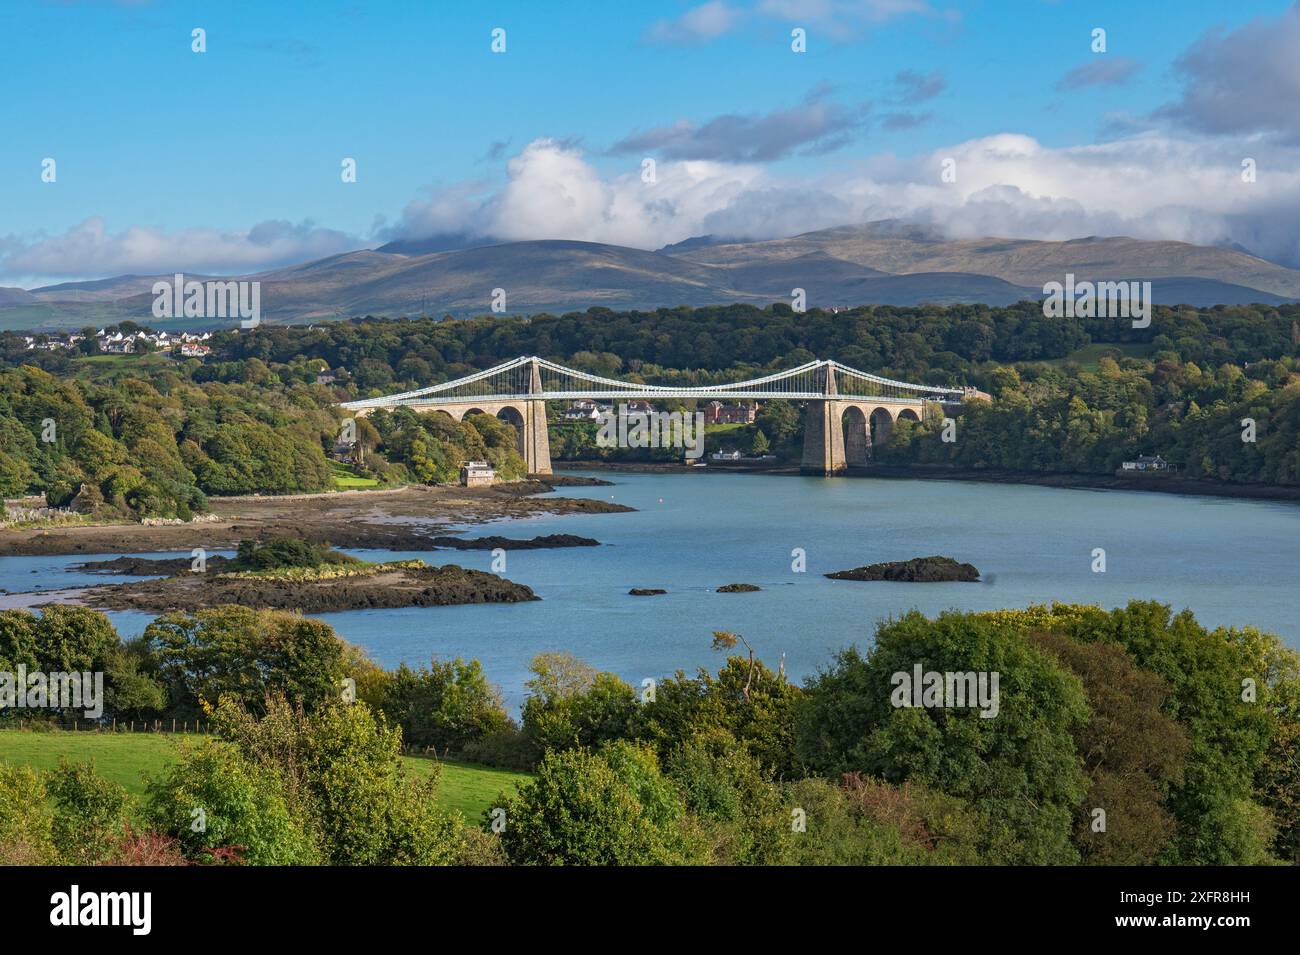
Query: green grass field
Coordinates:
[1087,356]
[466,788]
[346,479]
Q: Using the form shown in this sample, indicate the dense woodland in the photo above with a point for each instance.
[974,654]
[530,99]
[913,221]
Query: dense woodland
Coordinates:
[151,436]
[1184,738]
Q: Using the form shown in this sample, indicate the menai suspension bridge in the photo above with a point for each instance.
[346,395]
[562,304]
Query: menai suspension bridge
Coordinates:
[844,406]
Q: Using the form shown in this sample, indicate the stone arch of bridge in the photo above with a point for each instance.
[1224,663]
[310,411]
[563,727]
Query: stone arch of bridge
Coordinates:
[518,419]
[857,436]
[527,417]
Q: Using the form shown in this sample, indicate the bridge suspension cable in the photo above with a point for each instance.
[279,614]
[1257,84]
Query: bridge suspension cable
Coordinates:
[533,378]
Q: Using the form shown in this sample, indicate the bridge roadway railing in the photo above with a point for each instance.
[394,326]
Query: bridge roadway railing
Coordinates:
[638,395]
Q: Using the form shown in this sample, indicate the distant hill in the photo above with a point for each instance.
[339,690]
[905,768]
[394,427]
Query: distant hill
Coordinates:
[882,263]
[897,249]
[15,296]
[695,242]
[447,242]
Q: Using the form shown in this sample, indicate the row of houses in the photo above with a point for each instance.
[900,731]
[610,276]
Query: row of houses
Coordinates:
[715,412]
[185,344]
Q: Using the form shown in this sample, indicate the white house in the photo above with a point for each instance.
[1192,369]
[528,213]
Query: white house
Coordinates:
[1146,462]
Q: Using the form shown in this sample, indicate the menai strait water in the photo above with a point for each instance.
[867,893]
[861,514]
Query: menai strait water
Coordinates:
[1230,561]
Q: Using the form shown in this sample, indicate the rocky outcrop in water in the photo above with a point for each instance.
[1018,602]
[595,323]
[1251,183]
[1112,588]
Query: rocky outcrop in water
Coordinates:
[738,588]
[508,543]
[920,570]
[146,566]
[646,592]
[386,589]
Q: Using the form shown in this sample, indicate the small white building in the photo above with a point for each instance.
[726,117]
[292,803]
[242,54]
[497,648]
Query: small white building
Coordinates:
[477,474]
[584,409]
[1146,462]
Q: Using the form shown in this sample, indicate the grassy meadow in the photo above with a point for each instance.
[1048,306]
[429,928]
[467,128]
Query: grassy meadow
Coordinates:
[125,758]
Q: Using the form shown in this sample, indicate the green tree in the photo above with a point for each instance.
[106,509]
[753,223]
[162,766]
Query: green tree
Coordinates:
[342,770]
[219,804]
[26,820]
[244,653]
[446,705]
[1132,753]
[90,815]
[611,807]
[725,787]
[1218,819]
[571,705]
[1019,767]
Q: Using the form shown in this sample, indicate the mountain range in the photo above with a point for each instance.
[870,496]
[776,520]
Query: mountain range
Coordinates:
[877,263]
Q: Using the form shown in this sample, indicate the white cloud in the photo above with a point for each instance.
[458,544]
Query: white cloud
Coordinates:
[816,125]
[1110,71]
[1247,80]
[1152,185]
[846,18]
[553,193]
[91,249]
[839,19]
[698,24]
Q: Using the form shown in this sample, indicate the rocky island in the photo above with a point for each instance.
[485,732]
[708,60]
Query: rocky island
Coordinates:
[922,570]
[288,574]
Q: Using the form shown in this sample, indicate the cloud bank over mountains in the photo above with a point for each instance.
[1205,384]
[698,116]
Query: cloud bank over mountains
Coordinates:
[1176,174]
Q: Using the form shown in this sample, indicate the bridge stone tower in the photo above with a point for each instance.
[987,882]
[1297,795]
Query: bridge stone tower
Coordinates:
[536,441]
[823,437]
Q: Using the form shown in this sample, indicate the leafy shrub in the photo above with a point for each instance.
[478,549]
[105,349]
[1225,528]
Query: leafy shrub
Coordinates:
[725,787]
[280,552]
[26,822]
[217,803]
[571,705]
[90,813]
[448,705]
[611,807]
[343,777]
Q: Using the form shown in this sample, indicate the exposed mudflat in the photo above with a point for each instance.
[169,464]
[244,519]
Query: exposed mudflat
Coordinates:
[387,589]
[407,519]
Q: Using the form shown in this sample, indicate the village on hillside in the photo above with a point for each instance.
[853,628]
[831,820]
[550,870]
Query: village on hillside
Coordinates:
[118,342]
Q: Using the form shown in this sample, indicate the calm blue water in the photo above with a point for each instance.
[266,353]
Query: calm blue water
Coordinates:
[1230,561]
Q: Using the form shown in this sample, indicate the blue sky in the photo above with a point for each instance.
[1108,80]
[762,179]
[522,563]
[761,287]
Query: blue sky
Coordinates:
[229,159]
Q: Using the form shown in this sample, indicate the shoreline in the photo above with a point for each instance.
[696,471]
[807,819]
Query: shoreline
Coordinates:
[1201,487]
[405,519]
[411,518]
